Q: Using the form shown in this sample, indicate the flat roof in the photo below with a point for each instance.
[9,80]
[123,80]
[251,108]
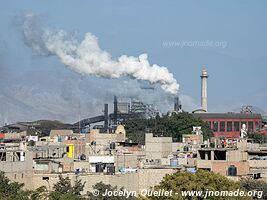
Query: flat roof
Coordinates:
[257,152]
[227,115]
[217,149]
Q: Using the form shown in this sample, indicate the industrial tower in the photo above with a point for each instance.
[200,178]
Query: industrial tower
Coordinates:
[204,90]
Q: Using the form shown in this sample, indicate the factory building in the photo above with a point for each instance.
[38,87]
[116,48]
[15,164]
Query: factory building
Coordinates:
[230,124]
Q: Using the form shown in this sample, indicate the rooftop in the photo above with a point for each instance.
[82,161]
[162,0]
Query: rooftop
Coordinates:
[227,115]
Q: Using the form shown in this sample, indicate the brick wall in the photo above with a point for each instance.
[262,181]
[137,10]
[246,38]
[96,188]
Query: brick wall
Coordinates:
[222,167]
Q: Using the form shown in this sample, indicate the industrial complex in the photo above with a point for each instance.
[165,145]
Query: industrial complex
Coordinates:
[96,149]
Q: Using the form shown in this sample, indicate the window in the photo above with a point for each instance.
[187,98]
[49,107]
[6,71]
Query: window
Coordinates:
[206,169]
[2,156]
[209,124]
[215,126]
[202,155]
[222,126]
[205,154]
[257,126]
[209,155]
[250,127]
[236,127]
[219,155]
[229,126]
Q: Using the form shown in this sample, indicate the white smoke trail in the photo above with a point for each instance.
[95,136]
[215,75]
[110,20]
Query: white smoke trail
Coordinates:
[87,58]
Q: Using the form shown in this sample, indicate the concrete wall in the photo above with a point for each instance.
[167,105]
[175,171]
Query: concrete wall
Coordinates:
[15,135]
[258,163]
[221,167]
[177,146]
[103,140]
[83,165]
[235,156]
[17,171]
[157,147]
[231,155]
[18,166]
[143,179]
[126,160]
[204,164]
[187,161]
[258,166]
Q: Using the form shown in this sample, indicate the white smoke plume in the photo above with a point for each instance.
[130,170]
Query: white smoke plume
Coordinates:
[87,58]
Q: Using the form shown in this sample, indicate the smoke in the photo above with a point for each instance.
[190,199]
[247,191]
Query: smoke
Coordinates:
[87,58]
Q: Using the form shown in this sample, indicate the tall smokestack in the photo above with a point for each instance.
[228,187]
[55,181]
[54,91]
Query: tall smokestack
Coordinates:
[177,104]
[115,110]
[204,90]
[106,116]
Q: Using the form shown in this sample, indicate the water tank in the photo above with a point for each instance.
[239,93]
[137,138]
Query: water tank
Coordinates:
[83,157]
[83,130]
[174,162]
[77,171]
[191,169]
[112,145]
[232,170]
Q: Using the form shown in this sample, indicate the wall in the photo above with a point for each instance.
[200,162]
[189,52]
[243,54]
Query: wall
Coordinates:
[222,167]
[177,146]
[235,156]
[126,160]
[157,147]
[143,179]
[79,147]
[15,135]
[17,171]
[103,140]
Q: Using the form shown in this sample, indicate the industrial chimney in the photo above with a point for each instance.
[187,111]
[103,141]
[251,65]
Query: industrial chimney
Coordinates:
[177,104]
[204,90]
[115,110]
[106,116]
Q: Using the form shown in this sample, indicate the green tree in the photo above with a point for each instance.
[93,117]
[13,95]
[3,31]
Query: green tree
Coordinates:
[11,190]
[135,129]
[258,137]
[173,126]
[63,186]
[199,181]
[40,193]
[255,185]
[78,187]
[64,190]
[68,196]
[102,188]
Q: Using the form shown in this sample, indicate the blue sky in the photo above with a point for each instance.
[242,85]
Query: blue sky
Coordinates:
[235,58]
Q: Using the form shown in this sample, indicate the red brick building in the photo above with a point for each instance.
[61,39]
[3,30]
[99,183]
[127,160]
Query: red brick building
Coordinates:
[229,124]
